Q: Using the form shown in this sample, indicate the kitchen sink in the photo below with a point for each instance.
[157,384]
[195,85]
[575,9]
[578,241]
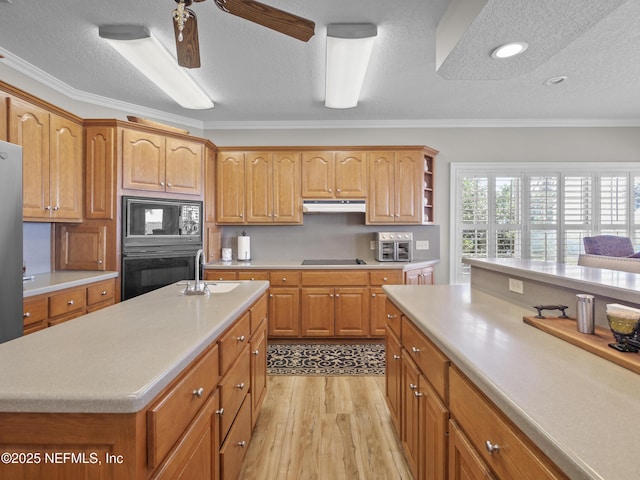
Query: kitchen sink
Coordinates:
[222,287]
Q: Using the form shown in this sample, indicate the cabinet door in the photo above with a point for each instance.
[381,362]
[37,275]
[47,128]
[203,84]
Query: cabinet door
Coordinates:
[378,312]
[82,247]
[230,191]
[408,187]
[284,312]
[351,174]
[259,187]
[4,126]
[434,418]
[427,276]
[143,161]
[393,378]
[410,413]
[287,206]
[258,371]
[65,169]
[464,462]
[318,175]
[318,312]
[381,198]
[100,165]
[183,166]
[29,127]
[352,312]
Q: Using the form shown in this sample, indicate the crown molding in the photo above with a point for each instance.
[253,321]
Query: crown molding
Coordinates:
[57,85]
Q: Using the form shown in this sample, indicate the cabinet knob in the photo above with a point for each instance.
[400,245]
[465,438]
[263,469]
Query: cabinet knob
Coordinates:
[241,338]
[389,316]
[373,294]
[271,295]
[169,185]
[99,262]
[71,302]
[198,392]
[384,279]
[256,352]
[417,394]
[103,293]
[162,184]
[252,278]
[220,411]
[337,295]
[57,207]
[415,350]
[330,190]
[26,314]
[337,190]
[48,207]
[284,279]
[396,357]
[412,386]
[492,447]
[242,444]
[240,386]
[241,215]
[331,295]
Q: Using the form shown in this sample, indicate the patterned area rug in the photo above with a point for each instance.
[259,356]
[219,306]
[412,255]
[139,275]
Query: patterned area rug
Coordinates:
[325,359]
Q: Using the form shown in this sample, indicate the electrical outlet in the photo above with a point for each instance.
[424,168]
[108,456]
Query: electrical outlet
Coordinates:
[422,244]
[516,286]
[372,245]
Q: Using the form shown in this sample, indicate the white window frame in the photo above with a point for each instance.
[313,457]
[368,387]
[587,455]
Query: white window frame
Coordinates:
[490,170]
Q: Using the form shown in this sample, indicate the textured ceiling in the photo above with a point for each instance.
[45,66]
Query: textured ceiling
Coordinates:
[260,78]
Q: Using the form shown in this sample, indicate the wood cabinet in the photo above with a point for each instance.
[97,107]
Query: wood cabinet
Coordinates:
[393,377]
[100,171]
[419,276]
[378,306]
[49,309]
[230,187]
[284,304]
[340,311]
[52,162]
[81,247]
[158,163]
[464,462]
[334,174]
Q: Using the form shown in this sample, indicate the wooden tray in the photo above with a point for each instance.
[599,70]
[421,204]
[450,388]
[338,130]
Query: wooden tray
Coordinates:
[598,343]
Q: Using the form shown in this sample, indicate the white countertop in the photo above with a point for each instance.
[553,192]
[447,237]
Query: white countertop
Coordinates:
[579,409]
[276,264]
[116,360]
[53,281]
[611,283]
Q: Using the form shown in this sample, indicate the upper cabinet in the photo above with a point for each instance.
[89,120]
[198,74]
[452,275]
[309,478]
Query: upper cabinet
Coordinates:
[230,191]
[157,163]
[52,162]
[334,174]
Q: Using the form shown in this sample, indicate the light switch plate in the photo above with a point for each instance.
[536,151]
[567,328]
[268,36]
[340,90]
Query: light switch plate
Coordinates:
[372,245]
[422,244]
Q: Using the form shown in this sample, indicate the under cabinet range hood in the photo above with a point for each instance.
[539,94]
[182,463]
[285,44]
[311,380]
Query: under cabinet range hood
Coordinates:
[334,206]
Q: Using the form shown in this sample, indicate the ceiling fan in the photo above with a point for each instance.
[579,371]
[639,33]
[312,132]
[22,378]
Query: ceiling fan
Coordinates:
[185,25]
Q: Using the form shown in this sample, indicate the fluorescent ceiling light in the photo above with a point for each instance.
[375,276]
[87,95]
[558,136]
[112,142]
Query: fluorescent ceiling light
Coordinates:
[509,50]
[143,51]
[349,47]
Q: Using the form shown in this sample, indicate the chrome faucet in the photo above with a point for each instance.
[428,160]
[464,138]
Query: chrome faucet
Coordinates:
[199,288]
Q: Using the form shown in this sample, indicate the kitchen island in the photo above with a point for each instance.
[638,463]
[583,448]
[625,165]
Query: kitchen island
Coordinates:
[147,368]
[577,408]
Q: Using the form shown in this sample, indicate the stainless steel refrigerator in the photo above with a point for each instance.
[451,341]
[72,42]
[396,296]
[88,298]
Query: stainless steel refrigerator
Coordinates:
[10,241]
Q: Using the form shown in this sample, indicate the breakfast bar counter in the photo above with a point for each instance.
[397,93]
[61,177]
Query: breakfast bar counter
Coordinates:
[579,409]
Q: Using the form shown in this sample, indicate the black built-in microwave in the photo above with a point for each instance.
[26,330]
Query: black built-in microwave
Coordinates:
[156,222]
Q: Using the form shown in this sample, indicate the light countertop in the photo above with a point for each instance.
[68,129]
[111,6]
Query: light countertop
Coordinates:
[53,281]
[579,409]
[116,360]
[276,264]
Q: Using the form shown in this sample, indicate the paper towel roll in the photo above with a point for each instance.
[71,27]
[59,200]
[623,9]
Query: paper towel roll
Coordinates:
[244,248]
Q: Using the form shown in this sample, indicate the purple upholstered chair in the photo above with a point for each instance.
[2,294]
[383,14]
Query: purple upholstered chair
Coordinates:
[609,245]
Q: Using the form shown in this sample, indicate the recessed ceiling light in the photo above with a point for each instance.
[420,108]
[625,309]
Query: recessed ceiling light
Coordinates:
[510,49]
[555,80]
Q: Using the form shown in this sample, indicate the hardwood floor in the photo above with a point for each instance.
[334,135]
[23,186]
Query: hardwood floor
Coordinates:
[316,428]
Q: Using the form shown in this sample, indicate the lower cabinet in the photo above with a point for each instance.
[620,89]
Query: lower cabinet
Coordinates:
[393,377]
[464,462]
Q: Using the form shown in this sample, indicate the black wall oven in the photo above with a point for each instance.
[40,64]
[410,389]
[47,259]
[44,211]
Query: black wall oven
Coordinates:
[160,240]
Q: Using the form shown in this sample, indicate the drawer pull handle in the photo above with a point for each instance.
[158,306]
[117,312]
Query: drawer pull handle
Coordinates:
[417,394]
[240,386]
[389,316]
[199,392]
[26,314]
[492,447]
[103,293]
[71,302]
[220,411]
[415,350]
[242,444]
[396,357]
[241,338]
[412,386]
[384,279]
[256,352]
[252,278]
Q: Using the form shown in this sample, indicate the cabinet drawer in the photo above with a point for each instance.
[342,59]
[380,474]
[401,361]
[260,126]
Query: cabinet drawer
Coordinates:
[220,275]
[284,278]
[386,277]
[101,292]
[258,313]
[34,310]
[233,388]
[71,300]
[335,277]
[235,447]
[394,316]
[253,275]
[433,363]
[482,422]
[234,341]
[168,418]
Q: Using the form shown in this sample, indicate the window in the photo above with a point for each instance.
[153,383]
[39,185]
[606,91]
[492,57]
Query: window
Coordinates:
[539,211]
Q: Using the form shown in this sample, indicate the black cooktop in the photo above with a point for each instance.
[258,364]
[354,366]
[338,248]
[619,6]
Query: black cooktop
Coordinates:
[354,261]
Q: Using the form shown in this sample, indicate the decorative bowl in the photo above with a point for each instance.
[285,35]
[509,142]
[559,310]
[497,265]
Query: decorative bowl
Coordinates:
[624,327]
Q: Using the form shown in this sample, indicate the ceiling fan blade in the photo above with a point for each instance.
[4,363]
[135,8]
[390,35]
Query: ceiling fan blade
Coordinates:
[188,49]
[270,17]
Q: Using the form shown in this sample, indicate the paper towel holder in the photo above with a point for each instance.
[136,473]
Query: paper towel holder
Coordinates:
[244,248]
